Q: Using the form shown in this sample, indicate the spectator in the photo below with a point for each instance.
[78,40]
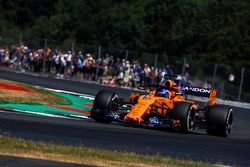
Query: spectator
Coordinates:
[151,76]
[145,75]
[6,60]
[74,64]
[89,62]
[168,70]
[48,60]
[68,58]
[127,75]
[80,66]
[1,55]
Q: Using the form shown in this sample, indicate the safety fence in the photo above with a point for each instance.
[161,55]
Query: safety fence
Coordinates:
[120,67]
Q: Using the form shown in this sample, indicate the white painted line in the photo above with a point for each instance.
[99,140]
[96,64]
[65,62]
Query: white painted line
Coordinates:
[79,116]
[73,93]
[45,114]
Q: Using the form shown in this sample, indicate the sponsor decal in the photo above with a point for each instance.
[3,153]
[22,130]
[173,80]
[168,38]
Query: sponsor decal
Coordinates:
[196,89]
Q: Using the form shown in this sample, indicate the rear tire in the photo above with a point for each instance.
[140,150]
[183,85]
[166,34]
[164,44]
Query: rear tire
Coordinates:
[183,112]
[105,102]
[219,121]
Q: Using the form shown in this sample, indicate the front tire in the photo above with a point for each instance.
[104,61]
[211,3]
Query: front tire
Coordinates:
[219,121]
[183,111]
[105,102]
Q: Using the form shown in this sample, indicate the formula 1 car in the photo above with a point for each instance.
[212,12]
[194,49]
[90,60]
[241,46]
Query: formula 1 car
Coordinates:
[166,105]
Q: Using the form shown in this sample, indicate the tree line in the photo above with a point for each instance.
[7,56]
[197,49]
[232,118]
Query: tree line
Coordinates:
[206,31]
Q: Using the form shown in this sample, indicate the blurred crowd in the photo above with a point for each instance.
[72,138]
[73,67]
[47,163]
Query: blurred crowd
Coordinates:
[108,69]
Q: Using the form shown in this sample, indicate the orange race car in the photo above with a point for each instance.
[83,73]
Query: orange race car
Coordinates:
[166,105]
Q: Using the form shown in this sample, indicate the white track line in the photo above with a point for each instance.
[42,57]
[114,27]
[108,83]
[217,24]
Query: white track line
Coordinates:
[45,114]
[73,93]
[51,115]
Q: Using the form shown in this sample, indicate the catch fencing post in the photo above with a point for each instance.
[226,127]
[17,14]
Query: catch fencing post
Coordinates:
[241,82]
[98,63]
[156,60]
[44,54]
[184,66]
[165,58]
[72,56]
[19,52]
[155,65]
[126,55]
[73,47]
[214,74]
[20,39]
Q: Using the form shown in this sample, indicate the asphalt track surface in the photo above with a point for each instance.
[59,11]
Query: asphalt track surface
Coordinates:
[234,150]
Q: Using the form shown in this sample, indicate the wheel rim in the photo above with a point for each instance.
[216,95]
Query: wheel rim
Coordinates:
[229,122]
[190,120]
[114,103]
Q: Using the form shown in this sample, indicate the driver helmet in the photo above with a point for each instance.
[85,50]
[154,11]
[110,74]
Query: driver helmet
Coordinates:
[163,93]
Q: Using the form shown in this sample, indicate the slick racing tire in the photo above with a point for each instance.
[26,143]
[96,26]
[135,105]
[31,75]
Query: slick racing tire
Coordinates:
[219,121]
[183,111]
[105,102]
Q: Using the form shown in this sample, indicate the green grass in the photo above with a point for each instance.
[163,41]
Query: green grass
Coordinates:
[83,155]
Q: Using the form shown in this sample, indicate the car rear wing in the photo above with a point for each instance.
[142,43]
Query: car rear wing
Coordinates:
[196,91]
[199,91]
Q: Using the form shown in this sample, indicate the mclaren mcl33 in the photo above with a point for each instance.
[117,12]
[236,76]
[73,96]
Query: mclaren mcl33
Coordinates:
[166,106]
